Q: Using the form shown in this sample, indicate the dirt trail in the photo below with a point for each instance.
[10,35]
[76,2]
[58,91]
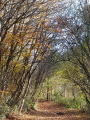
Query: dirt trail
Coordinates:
[50,111]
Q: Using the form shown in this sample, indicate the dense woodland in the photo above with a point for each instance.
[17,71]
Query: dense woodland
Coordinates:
[44,54]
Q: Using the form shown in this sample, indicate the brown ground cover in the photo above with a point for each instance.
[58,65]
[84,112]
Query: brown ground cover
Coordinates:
[50,111]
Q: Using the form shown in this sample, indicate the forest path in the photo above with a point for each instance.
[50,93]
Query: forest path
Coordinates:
[51,111]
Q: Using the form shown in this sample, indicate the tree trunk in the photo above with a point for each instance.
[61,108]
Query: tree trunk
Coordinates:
[21,105]
[88,105]
[88,111]
[47,93]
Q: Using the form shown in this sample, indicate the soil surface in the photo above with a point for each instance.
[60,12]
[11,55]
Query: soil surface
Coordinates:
[50,111]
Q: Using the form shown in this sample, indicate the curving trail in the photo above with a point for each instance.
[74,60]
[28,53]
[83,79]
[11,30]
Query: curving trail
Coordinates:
[50,111]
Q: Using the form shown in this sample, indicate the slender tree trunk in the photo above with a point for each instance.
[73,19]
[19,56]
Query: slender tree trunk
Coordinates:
[88,111]
[21,105]
[51,93]
[47,93]
[88,105]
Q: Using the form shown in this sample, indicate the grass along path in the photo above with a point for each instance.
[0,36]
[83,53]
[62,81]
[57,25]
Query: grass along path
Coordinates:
[50,111]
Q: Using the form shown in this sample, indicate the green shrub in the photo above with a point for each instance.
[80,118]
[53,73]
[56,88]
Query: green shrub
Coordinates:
[28,104]
[73,103]
[3,111]
[77,103]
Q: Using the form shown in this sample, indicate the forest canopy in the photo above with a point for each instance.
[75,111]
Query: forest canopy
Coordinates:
[44,42]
